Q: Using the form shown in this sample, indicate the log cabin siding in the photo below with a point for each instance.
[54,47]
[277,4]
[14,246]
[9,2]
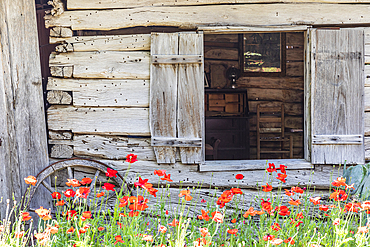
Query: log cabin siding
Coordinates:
[95,63]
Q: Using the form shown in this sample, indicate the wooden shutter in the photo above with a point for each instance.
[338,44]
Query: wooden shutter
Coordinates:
[337,92]
[177,96]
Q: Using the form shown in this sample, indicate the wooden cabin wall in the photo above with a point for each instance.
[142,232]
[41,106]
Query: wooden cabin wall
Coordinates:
[221,51]
[99,89]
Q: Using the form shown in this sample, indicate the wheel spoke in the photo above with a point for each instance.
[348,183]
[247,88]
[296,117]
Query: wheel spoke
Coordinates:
[70,173]
[92,185]
[47,186]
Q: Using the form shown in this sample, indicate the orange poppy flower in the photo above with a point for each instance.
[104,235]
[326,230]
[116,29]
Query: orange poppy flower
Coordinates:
[71,230]
[118,239]
[266,205]
[167,177]
[294,202]
[315,200]
[323,208]
[299,216]
[174,223]
[281,177]
[42,212]
[60,203]
[123,201]
[187,195]
[26,216]
[277,241]
[268,237]
[217,217]
[288,192]
[204,216]
[339,182]
[30,180]
[83,192]
[236,191]
[297,190]
[100,194]
[232,231]
[233,220]
[73,182]
[100,228]
[266,188]
[204,232]
[19,234]
[250,212]
[289,241]
[162,229]
[339,195]
[133,213]
[86,215]
[159,173]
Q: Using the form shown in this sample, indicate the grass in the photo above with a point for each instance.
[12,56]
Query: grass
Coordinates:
[146,217]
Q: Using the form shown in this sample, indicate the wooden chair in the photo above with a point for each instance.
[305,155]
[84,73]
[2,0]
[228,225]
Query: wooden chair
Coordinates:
[211,150]
[275,115]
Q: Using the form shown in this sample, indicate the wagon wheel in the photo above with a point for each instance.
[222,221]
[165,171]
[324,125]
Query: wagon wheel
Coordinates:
[69,165]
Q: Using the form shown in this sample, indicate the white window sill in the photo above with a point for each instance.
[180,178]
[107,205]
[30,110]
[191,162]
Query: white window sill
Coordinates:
[248,165]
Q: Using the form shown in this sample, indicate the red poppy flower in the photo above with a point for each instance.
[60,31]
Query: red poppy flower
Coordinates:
[111,173]
[100,228]
[70,214]
[300,222]
[271,168]
[288,192]
[281,177]
[71,230]
[108,186]
[131,158]
[299,216]
[85,181]
[56,195]
[289,241]
[233,231]
[133,213]
[266,188]
[282,169]
[239,176]
[174,223]
[276,227]
[26,216]
[123,201]
[141,183]
[167,178]
[283,211]
[268,237]
[323,208]
[339,195]
[250,212]
[69,193]
[160,173]
[266,205]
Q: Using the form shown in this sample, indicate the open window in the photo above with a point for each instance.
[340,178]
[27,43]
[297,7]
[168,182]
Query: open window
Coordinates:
[321,92]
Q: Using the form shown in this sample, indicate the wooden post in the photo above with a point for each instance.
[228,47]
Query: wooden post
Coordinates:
[23,143]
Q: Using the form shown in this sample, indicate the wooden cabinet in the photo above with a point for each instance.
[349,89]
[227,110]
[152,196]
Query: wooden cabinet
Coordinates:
[227,120]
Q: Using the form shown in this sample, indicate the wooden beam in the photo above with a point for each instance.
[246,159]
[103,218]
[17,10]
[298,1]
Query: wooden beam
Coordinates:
[192,17]
[109,4]
[337,139]
[23,141]
[110,121]
[107,43]
[105,64]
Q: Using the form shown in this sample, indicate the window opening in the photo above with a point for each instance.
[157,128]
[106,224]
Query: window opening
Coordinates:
[234,92]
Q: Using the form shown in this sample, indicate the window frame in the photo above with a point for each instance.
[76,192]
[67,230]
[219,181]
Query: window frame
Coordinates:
[245,165]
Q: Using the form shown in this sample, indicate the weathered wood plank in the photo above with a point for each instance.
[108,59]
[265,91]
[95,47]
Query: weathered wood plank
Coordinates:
[337,106]
[308,46]
[61,32]
[190,99]
[163,94]
[337,139]
[102,92]
[195,16]
[290,108]
[115,147]
[367,148]
[245,28]
[137,42]
[23,140]
[251,165]
[367,98]
[290,83]
[294,54]
[176,59]
[108,4]
[61,71]
[294,68]
[295,39]
[105,64]
[229,38]
[176,142]
[188,175]
[61,151]
[221,53]
[110,121]
[59,97]
[60,135]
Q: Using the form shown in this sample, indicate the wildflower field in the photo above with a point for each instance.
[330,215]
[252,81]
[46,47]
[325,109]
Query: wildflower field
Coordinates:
[277,217]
